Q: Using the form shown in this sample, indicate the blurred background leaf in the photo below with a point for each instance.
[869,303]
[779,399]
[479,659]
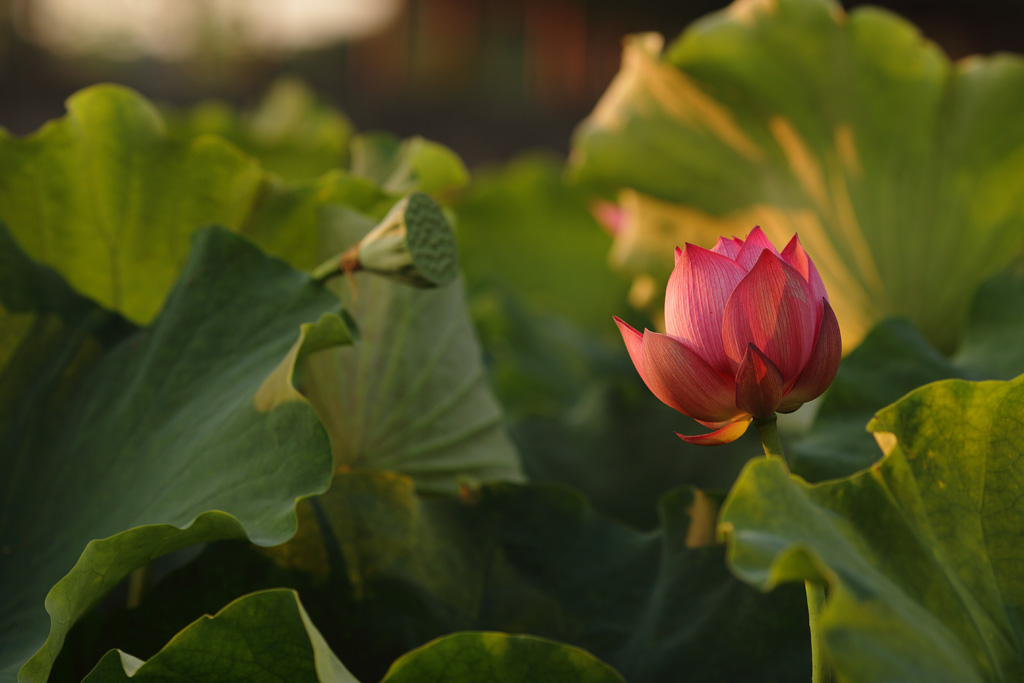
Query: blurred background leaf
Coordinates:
[899,169]
[293,134]
[895,359]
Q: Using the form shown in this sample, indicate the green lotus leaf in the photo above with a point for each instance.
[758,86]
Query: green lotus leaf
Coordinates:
[525,213]
[261,637]
[382,570]
[292,134]
[501,658]
[387,571]
[109,201]
[402,166]
[268,636]
[895,359]
[921,552]
[414,396]
[901,171]
[120,445]
[108,198]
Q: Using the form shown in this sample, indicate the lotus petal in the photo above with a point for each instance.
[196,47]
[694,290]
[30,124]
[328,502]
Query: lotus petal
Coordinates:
[728,247]
[759,384]
[821,367]
[633,340]
[695,300]
[727,434]
[680,378]
[795,256]
[755,243]
[772,308]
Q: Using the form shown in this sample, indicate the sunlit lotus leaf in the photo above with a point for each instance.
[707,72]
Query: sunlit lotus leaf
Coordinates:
[921,552]
[109,198]
[902,172]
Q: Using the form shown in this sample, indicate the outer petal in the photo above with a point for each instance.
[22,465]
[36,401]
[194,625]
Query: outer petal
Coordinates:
[681,379]
[755,243]
[728,247]
[795,256]
[758,384]
[679,255]
[821,367]
[695,299]
[726,434]
[633,341]
[772,308]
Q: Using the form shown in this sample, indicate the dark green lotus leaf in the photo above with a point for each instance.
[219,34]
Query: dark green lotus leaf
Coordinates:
[261,637]
[414,396]
[921,552]
[499,658]
[580,414]
[539,560]
[382,571]
[127,444]
[268,636]
[895,359]
[294,135]
[900,170]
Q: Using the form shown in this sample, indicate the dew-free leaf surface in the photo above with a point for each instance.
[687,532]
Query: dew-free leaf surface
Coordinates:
[123,449]
[499,658]
[413,397]
[921,552]
[264,637]
[900,170]
[895,359]
[291,132]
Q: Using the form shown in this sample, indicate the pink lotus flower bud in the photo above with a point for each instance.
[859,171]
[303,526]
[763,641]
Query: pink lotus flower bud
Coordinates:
[750,332]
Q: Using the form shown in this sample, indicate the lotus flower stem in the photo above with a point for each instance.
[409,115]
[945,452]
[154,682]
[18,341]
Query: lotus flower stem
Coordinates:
[820,671]
[768,429]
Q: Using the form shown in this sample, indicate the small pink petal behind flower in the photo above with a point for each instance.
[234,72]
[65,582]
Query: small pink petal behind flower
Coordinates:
[609,215]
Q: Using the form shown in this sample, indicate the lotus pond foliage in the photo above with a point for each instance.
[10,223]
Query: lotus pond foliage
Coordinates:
[280,400]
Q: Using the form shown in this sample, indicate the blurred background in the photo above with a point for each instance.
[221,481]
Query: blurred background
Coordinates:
[488,78]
